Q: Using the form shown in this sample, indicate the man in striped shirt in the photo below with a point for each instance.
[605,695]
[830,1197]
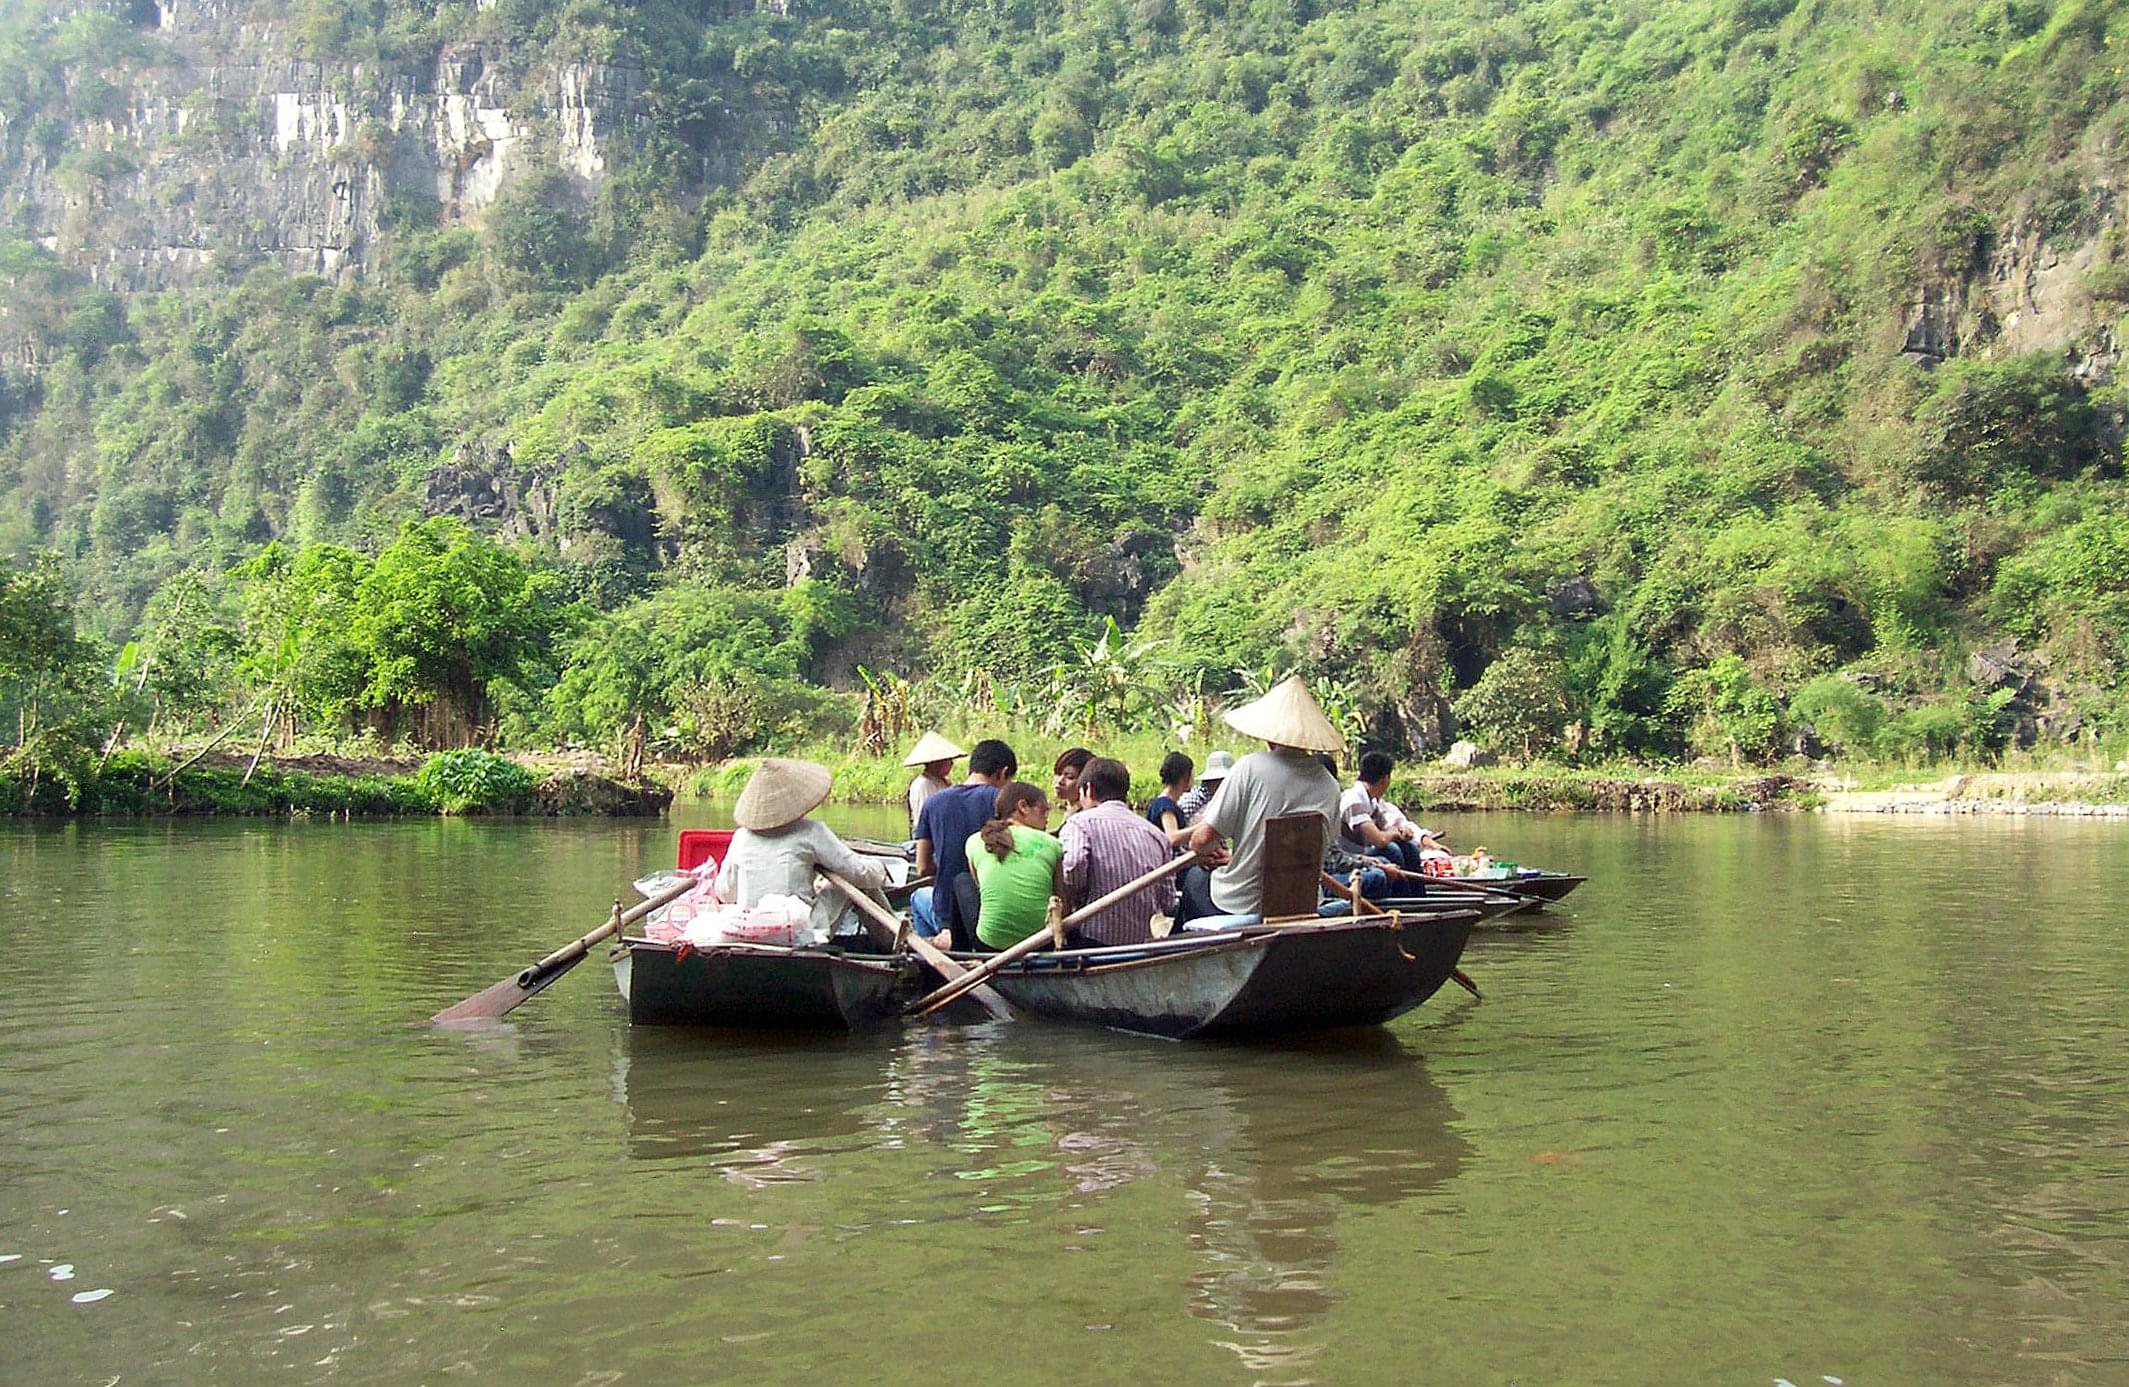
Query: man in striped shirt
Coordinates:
[1106,845]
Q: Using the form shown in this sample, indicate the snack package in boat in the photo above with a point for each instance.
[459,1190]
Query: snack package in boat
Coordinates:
[784,921]
[668,924]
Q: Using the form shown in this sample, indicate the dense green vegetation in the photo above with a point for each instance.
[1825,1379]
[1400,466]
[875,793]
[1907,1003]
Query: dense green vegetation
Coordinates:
[1528,368]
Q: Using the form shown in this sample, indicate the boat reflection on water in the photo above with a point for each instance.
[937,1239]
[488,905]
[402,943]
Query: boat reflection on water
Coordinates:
[1265,1147]
[760,1106]
[1273,1148]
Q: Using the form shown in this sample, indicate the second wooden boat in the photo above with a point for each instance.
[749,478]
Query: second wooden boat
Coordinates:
[1258,980]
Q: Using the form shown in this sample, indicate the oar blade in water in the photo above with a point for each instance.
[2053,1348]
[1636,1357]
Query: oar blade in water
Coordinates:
[502,998]
[522,986]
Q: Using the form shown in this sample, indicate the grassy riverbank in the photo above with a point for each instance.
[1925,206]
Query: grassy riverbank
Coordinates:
[132,782]
[883,780]
[1861,787]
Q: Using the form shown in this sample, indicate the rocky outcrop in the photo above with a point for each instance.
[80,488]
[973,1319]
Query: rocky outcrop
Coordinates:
[2030,291]
[2034,708]
[487,490]
[221,145]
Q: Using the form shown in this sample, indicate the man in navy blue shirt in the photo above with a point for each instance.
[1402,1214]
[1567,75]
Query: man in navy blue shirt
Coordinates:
[943,829]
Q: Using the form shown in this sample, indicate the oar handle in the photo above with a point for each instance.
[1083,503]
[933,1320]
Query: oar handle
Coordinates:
[974,977]
[1130,888]
[615,923]
[925,1005]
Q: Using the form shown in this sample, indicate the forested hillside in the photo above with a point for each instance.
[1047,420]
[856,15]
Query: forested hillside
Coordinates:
[1602,378]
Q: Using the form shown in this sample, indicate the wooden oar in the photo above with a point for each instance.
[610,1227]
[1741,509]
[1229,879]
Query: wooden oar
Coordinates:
[1499,886]
[522,986]
[926,1005]
[942,963]
[1363,906]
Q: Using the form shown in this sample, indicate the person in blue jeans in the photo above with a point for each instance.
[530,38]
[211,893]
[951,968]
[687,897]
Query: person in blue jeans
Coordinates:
[944,826]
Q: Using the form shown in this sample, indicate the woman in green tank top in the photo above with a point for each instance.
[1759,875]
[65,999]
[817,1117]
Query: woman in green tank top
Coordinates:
[1018,867]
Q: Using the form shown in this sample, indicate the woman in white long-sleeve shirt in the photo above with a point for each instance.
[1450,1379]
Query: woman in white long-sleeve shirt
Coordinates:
[778,851]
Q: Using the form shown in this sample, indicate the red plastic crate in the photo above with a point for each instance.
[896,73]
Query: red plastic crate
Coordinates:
[700,845]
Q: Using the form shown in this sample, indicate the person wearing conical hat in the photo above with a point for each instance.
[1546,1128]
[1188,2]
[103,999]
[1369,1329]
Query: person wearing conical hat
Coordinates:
[1282,779]
[937,756]
[779,851]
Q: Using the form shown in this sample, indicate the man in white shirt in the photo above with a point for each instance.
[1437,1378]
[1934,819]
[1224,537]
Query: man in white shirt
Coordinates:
[1371,824]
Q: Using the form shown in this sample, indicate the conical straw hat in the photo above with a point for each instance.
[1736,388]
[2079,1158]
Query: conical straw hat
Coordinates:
[1289,716]
[932,747]
[781,792]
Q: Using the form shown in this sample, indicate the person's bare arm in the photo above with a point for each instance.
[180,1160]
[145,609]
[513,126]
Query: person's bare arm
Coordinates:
[925,865]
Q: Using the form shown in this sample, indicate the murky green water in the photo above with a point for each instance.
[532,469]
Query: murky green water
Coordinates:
[1781,1099]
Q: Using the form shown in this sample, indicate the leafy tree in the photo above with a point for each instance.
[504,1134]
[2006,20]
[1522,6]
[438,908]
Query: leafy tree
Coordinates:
[1845,717]
[443,614]
[1519,705]
[1730,712]
[701,672]
[298,610]
[54,697]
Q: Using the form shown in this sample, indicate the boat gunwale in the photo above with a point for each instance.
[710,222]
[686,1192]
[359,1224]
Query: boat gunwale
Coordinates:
[870,963]
[1102,958]
[1055,962]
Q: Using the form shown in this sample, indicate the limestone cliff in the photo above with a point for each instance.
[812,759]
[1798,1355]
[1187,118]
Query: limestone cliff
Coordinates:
[213,138]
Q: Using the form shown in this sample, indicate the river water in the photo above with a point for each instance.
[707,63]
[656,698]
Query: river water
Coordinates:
[1782,1099]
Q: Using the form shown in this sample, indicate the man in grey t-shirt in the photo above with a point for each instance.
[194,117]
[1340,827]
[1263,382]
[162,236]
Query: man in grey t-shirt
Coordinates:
[1265,785]
[1282,779]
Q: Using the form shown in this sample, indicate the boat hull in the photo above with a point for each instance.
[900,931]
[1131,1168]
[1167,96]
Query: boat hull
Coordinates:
[785,989]
[1253,982]
[1549,887]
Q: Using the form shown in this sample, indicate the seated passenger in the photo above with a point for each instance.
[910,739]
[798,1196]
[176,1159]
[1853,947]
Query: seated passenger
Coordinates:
[1166,811]
[1065,781]
[1107,846]
[937,756]
[1340,862]
[1193,804]
[778,851]
[1018,867]
[943,827]
[1370,824]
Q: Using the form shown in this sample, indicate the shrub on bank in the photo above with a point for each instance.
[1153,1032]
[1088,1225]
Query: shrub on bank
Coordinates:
[472,781]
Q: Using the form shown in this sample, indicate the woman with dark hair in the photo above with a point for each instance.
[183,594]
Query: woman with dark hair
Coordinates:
[1017,866]
[1166,811]
[1070,763]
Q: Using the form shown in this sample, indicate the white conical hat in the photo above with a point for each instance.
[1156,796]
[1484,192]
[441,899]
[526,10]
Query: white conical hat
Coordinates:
[1289,716]
[781,792]
[932,747]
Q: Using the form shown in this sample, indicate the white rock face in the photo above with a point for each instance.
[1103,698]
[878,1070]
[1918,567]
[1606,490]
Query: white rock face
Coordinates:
[1467,756]
[230,145]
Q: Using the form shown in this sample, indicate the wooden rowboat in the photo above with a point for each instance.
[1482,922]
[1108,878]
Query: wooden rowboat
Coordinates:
[1545,886]
[1258,980]
[1252,980]
[746,985]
